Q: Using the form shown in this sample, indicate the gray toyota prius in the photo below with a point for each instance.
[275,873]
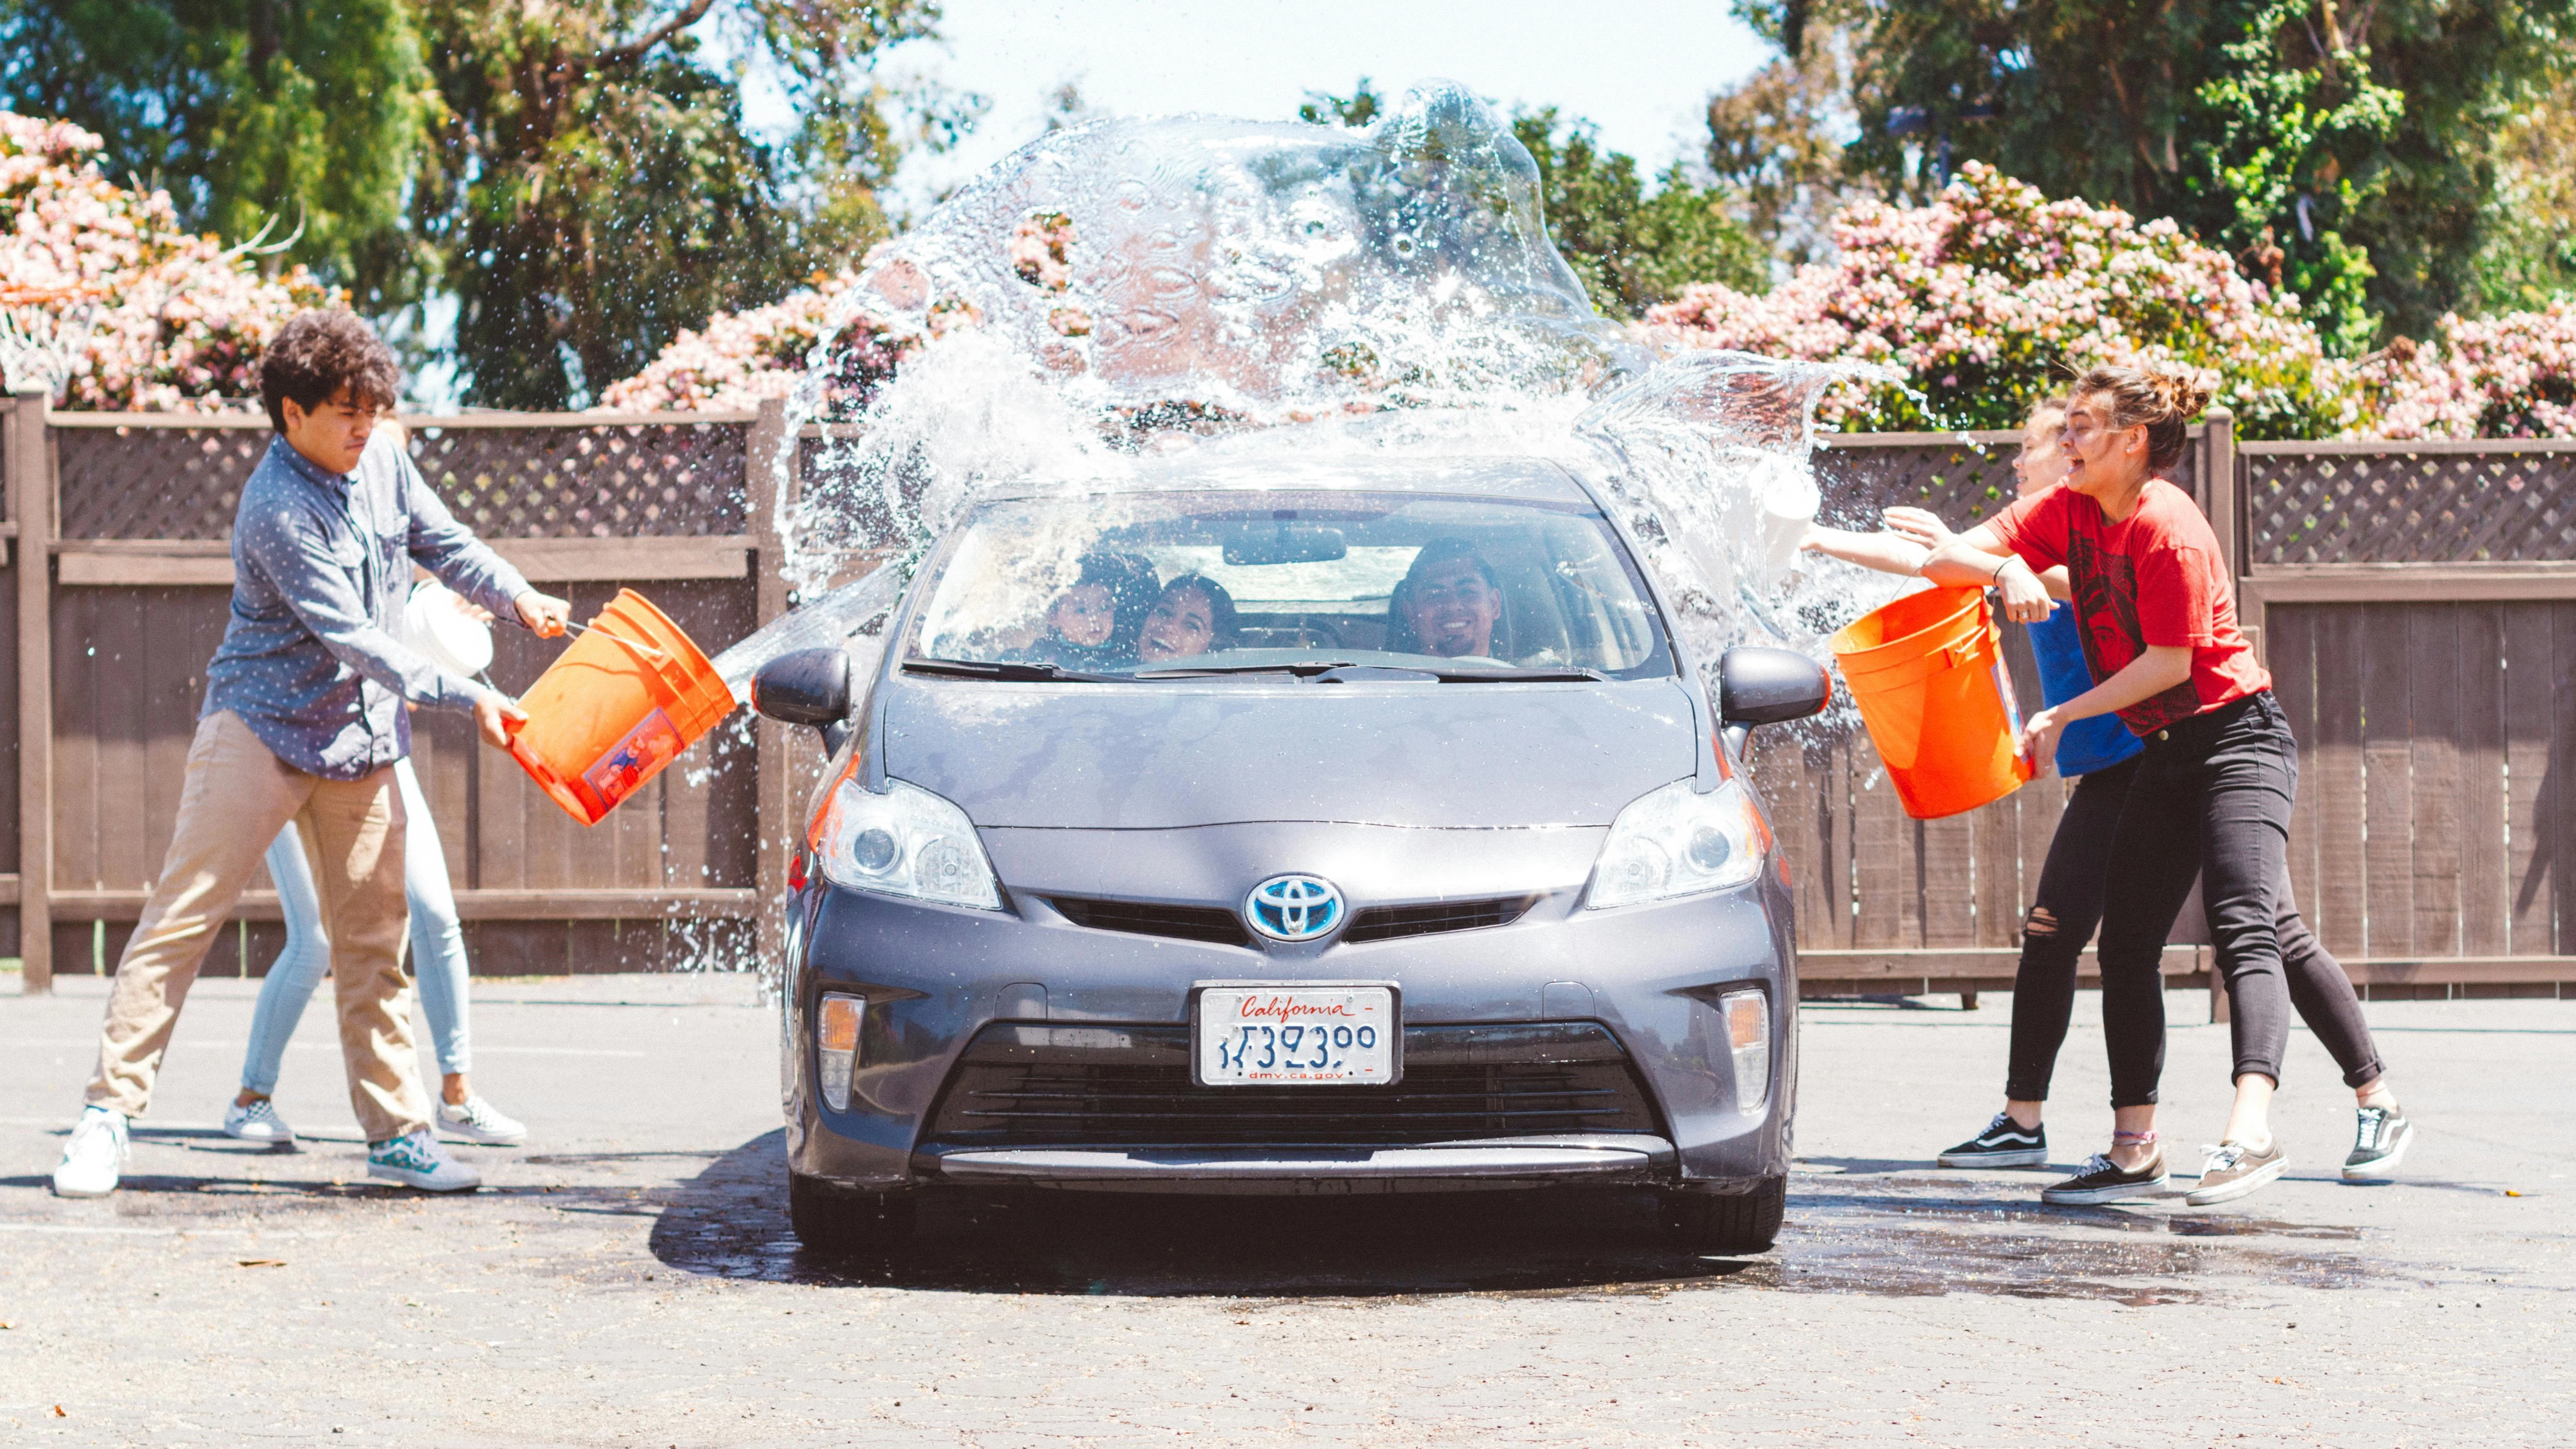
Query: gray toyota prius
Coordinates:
[1288,827]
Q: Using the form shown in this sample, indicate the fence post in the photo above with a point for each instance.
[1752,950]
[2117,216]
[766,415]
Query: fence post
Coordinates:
[770,481]
[29,466]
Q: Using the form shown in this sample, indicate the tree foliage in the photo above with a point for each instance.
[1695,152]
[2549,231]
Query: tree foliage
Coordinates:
[1632,247]
[578,174]
[597,190]
[302,118]
[2352,148]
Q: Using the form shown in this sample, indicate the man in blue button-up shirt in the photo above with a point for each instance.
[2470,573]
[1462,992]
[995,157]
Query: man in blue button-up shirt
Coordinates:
[303,720]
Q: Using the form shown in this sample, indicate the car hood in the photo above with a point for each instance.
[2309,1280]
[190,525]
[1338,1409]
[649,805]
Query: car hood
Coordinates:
[1178,754]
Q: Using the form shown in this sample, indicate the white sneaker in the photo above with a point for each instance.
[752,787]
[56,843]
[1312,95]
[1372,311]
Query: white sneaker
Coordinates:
[476,1120]
[95,1157]
[258,1122]
[416,1160]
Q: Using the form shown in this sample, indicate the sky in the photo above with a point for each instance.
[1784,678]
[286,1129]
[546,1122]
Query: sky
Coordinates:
[1644,78]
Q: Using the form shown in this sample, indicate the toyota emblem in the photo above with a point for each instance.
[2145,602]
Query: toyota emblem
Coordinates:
[1294,908]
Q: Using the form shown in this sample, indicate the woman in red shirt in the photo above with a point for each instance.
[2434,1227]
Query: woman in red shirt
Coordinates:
[2215,782]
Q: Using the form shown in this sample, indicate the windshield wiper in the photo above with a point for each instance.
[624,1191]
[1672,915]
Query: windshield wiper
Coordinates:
[1303,669]
[1566,673]
[1008,671]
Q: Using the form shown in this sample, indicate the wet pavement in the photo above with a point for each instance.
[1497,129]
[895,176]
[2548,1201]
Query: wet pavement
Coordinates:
[629,1277]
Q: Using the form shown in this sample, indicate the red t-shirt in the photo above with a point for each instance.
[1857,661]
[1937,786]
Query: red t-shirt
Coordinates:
[2154,578]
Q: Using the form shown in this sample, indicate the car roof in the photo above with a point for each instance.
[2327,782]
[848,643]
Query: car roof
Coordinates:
[1533,479]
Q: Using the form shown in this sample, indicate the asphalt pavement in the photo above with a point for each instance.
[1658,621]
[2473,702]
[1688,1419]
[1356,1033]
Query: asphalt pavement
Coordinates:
[628,1276]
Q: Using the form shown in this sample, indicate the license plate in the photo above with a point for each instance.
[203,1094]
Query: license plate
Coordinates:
[1290,1034]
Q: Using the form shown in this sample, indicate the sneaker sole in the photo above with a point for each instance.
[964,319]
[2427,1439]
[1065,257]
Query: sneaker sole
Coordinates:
[62,1191]
[456,1133]
[2096,1196]
[2251,1182]
[2380,1166]
[2021,1157]
[262,1141]
[419,1180]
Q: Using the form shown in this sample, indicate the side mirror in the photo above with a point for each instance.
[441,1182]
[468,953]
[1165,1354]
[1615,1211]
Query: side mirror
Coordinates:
[1769,686]
[807,687]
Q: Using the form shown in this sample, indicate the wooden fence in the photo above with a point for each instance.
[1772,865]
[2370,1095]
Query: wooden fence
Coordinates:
[2417,603]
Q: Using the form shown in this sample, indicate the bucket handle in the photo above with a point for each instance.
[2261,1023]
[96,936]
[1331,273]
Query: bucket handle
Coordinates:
[639,647]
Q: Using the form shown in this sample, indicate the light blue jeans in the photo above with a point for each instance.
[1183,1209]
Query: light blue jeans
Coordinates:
[437,945]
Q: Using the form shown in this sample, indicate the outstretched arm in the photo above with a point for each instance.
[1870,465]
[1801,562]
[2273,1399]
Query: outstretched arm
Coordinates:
[1885,552]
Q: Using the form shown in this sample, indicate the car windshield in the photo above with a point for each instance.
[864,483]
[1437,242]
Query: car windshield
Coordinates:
[1179,585]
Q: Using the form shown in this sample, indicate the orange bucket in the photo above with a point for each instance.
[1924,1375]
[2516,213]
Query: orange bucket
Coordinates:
[1928,674]
[629,695]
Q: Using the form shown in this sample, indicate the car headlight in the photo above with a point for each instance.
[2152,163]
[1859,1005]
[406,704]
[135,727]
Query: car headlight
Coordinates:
[1678,842]
[905,842]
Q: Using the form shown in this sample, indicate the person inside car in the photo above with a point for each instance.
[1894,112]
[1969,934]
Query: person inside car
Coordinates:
[1103,614]
[1447,604]
[1194,615]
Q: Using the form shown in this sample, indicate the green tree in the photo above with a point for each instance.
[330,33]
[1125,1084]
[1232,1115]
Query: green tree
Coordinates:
[1632,248]
[1776,138]
[2362,139]
[303,118]
[577,174]
[2527,259]
[594,186]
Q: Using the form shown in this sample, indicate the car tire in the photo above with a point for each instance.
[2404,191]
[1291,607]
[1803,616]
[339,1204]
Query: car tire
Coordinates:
[840,1222]
[1731,1224]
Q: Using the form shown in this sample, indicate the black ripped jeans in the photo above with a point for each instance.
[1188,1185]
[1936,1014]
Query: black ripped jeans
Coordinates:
[2070,903]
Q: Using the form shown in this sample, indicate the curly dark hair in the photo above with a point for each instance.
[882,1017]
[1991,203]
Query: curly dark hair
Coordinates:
[319,356]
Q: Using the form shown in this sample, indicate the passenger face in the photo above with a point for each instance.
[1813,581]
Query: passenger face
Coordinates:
[1452,609]
[1084,616]
[1182,626]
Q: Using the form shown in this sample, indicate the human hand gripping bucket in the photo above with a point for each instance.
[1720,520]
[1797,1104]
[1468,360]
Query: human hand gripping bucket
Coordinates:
[629,695]
[1928,674]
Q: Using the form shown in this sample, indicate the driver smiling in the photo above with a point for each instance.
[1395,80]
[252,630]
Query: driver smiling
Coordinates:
[1449,601]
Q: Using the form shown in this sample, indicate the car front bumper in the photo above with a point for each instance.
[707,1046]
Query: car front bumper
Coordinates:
[938,980]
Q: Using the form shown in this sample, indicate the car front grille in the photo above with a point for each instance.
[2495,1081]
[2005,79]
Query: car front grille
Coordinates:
[1386,923]
[1147,918]
[1225,928]
[1129,1086]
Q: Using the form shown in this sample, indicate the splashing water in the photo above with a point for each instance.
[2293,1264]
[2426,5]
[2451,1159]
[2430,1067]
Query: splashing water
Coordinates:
[1134,286]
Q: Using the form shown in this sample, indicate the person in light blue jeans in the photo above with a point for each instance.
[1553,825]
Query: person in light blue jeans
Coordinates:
[437,963]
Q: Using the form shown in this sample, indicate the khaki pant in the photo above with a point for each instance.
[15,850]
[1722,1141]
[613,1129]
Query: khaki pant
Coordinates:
[236,798]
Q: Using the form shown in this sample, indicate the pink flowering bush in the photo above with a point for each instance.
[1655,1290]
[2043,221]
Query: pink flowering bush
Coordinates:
[740,359]
[2509,376]
[176,321]
[1988,298]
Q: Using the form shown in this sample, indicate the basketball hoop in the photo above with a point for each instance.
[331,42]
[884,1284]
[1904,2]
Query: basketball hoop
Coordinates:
[44,333]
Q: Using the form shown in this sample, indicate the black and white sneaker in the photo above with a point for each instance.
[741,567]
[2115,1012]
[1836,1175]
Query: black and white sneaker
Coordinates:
[2101,1180]
[2004,1143]
[2379,1140]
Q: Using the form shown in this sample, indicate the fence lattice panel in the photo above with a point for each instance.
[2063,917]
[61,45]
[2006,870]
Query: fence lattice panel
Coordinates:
[156,482]
[2400,507]
[618,481]
[622,480]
